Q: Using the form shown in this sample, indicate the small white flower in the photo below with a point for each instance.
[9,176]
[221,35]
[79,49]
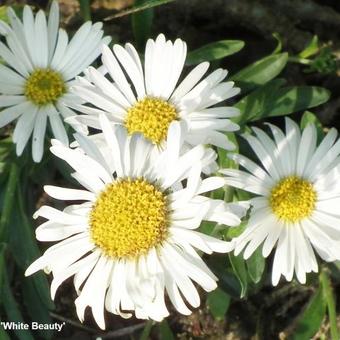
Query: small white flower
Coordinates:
[147,100]
[297,208]
[40,66]
[134,237]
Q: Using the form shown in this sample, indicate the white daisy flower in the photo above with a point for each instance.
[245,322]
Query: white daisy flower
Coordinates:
[298,199]
[41,63]
[147,100]
[134,237]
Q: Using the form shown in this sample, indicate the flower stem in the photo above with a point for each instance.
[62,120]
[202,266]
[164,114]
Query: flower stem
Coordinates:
[329,297]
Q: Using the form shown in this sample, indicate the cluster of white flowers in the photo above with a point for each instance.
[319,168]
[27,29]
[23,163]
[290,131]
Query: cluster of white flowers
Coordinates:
[146,171]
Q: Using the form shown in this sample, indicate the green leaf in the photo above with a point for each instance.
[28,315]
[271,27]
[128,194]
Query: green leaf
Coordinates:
[218,302]
[255,265]
[9,200]
[165,331]
[3,334]
[141,24]
[22,238]
[214,51]
[147,330]
[36,310]
[270,100]
[328,296]
[85,9]
[311,318]
[223,160]
[235,231]
[3,14]
[310,118]
[278,39]
[10,306]
[148,4]
[239,267]
[260,72]
[311,49]
[227,280]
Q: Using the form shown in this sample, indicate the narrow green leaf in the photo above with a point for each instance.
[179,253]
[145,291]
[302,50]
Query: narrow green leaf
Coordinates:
[297,98]
[271,100]
[311,49]
[9,200]
[218,302]
[3,14]
[147,330]
[278,39]
[148,4]
[310,118]
[22,238]
[165,331]
[36,310]
[85,9]
[12,310]
[310,320]
[260,72]
[3,334]
[214,51]
[328,296]
[223,160]
[141,24]
[227,280]
[239,267]
[255,265]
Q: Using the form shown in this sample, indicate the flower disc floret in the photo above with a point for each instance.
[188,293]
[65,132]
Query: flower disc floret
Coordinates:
[129,218]
[152,117]
[44,86]
[293,199]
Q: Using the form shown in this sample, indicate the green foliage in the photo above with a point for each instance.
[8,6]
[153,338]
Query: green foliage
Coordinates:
[218,302]
[165,332]
[146,5]
[214,51]
[11,308]
[85,9]
[310,320]
[273,100]
[256,265]
[311,49]
[141,23]
[325,62]
[239,267]
[3,13]
[310,118]
[260,72]
[278,39]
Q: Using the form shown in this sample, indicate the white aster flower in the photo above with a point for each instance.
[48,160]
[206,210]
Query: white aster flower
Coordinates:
[40,66]
[134,237]
[147,100]
[297,208]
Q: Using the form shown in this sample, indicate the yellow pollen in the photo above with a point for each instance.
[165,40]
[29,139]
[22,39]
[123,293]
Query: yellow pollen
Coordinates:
[152,117]
[44,86]
[129,218]
[293,199]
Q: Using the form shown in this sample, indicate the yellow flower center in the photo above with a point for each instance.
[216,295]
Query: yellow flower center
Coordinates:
[152,117]
[44,86]
[129,218]
[293,199]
